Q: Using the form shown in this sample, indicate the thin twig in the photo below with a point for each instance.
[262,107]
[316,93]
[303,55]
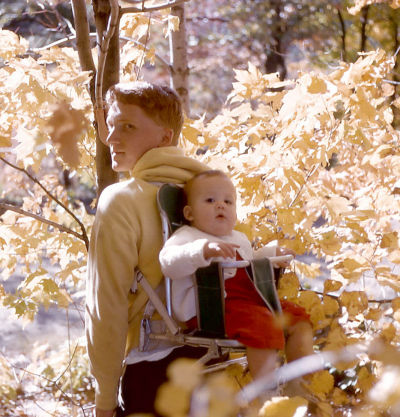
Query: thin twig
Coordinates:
[63,41]
[82,236]
[54,383]
[144,49]
[143,9]
[309,174]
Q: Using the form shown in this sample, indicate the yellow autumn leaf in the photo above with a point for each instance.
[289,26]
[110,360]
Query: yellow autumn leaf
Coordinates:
[323,409]
[222,390]
[284,407]
[390,240]
[355,302]
[305,270]
[173,24]
[357,232]
[172,400]
[337,205]
[352,266]
[134,25]
[336,338]
[365,111]
[289,286]
[5,141]
[314,84]
[365,379]
[396,303]
[321,384]
[329,242]
[330,305]
[374,314]
[388,332]
[332,286]
[11,44]
[313,306]
[62,298]
[185,373]
[359,215]
[339,397]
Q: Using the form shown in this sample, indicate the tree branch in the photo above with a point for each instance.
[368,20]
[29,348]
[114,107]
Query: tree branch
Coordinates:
[83,235]
[67,39]
[58,226]
[143,9]
[83,40]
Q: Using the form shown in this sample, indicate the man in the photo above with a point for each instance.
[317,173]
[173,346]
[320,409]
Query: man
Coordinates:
[144,123]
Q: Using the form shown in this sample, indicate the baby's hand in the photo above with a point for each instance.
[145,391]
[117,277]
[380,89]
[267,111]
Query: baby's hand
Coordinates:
[283,252]
[221,249]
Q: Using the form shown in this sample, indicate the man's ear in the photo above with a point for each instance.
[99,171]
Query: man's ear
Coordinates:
[167,137]
[187,213]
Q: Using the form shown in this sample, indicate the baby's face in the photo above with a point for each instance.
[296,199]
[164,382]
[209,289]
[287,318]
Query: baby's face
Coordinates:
[212,205]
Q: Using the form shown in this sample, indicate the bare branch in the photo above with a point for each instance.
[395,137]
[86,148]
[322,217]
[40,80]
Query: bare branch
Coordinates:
[5,207]
[82,236]
[67,39]
[143,9]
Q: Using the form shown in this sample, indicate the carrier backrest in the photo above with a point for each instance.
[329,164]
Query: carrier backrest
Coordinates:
[170,202]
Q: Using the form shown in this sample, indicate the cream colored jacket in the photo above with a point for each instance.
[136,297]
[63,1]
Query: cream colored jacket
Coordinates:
[126,235]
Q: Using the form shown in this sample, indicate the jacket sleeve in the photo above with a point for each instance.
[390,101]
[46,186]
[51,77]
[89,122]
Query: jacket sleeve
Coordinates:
[113,257]
[181,255]
[265,251]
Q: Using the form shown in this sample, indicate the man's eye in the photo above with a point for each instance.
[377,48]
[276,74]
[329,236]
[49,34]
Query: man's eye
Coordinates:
[128,126]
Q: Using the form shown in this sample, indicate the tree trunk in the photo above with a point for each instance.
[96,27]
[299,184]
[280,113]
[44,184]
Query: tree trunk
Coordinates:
[101,8]
[364,21]
[178,58]
[396,48]
[275,61]
[343,36]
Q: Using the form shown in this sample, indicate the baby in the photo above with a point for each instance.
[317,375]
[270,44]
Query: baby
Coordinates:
[211,211]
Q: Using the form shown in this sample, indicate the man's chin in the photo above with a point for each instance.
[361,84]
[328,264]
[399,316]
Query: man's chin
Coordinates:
[118,167]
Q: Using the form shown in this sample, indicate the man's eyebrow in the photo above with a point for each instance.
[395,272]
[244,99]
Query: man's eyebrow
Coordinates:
[122,119]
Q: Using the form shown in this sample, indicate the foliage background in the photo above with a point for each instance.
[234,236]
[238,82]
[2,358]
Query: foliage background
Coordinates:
[315,158]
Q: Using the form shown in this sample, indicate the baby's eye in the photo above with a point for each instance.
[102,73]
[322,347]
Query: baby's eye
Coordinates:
[229,202]
[210,200]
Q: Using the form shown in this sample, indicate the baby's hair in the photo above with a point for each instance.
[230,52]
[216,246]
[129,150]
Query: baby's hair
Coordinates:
[204,174]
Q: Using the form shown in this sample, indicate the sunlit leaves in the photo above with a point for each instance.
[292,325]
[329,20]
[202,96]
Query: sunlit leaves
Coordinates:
[187,387]
[284,407]
[11,44]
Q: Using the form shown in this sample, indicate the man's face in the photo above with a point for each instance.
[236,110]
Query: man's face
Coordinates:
[131,134]
[212,205]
